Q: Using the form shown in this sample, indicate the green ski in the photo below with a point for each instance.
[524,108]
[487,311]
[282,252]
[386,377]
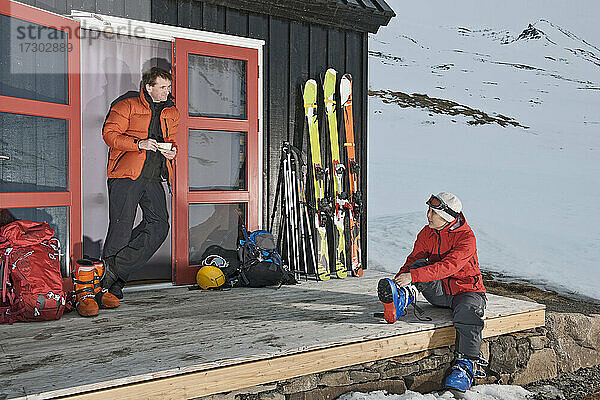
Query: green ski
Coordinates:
[337,172]
[320,205]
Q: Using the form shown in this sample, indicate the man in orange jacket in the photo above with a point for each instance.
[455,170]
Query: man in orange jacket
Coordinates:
[140,131]
[444,267]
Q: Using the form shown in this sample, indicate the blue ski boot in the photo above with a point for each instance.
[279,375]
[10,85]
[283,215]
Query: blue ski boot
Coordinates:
[461,376]
[395,299]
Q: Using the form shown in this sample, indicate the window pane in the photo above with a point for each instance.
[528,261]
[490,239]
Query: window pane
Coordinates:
[33,154]
[56,217]
[217,160]
[217,87]
[33,61]
[213,224]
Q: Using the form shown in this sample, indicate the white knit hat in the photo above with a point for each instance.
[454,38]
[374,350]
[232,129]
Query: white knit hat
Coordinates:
[451,201]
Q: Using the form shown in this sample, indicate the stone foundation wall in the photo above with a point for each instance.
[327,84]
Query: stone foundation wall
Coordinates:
[567,343]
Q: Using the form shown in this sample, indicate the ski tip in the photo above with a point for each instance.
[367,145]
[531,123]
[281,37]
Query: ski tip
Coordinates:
[331,71]
[310,92]
[347,77]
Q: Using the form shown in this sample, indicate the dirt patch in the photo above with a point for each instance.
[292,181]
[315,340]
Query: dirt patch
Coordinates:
[443,106]
[500,285]
[33,366]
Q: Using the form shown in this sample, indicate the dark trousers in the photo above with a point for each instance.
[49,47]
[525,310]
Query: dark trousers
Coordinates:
[132,248]
[467,312]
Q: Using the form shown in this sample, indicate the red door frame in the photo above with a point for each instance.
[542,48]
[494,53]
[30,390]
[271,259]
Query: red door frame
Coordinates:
[182,271]
[70,112]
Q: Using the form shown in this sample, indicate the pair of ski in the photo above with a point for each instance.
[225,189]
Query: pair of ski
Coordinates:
[339,203]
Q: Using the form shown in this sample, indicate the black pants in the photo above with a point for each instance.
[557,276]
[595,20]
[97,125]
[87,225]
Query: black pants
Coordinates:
[132,248]
[467,312]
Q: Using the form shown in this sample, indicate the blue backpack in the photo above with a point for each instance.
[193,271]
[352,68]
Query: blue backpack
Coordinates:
[260,262]
[261,245]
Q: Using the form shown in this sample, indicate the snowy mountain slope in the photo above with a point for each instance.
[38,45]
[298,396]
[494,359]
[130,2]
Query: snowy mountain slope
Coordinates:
[500,104]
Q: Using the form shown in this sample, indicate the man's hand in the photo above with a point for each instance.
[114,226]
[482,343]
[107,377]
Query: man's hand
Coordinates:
[148,144]
[169,154]
[403,279]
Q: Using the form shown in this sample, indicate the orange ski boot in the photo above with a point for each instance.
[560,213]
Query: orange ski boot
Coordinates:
[103,297]
[83,281]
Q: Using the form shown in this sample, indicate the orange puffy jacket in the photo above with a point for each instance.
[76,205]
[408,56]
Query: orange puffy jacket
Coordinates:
[453,253]
[126,124]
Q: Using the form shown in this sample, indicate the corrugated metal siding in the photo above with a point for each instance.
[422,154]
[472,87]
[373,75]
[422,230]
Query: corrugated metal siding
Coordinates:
[294,52]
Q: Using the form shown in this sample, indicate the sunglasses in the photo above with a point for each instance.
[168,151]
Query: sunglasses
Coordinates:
[438,204]
[215,261]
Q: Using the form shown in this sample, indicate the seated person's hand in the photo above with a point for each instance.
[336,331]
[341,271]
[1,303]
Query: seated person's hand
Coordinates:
[403,279]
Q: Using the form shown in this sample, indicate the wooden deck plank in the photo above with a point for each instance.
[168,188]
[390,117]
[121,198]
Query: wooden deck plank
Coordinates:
[205,334]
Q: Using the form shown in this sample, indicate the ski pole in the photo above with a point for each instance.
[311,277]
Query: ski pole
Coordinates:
[304,228]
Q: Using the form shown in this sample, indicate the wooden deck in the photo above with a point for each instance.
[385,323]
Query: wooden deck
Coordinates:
[194,343]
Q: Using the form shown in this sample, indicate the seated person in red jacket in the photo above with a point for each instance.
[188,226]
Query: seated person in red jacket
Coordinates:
[443,266]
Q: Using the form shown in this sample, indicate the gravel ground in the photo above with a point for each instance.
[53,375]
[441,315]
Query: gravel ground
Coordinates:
[583,384]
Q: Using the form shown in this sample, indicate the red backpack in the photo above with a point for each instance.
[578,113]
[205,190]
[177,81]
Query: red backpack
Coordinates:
[30,277]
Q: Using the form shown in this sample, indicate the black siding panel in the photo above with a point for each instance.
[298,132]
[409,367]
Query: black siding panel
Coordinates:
[111,7]
[196,15]
[32,3]
[213,18]
[164,12]
[138,9]
[189,14]
[82,5]
[184,9]
[299,53]
[236,22]
[55,6]
[336,48]
[318,52]
[278,81]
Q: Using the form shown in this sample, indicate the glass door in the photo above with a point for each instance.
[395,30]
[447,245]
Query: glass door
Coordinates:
[217,182]
[40,158]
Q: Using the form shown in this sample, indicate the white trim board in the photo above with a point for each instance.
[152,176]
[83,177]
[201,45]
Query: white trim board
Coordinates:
[151,30]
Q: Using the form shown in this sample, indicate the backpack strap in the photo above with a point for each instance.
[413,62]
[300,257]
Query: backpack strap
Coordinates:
[4,274]
[5,316]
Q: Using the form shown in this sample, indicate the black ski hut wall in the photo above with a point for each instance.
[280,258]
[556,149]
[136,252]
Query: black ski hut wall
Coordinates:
[302,39]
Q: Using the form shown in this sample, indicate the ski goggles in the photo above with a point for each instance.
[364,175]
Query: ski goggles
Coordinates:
[438,204]
[215,261]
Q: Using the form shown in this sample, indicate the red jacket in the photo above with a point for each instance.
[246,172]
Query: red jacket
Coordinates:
[453,252]
[127,123]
